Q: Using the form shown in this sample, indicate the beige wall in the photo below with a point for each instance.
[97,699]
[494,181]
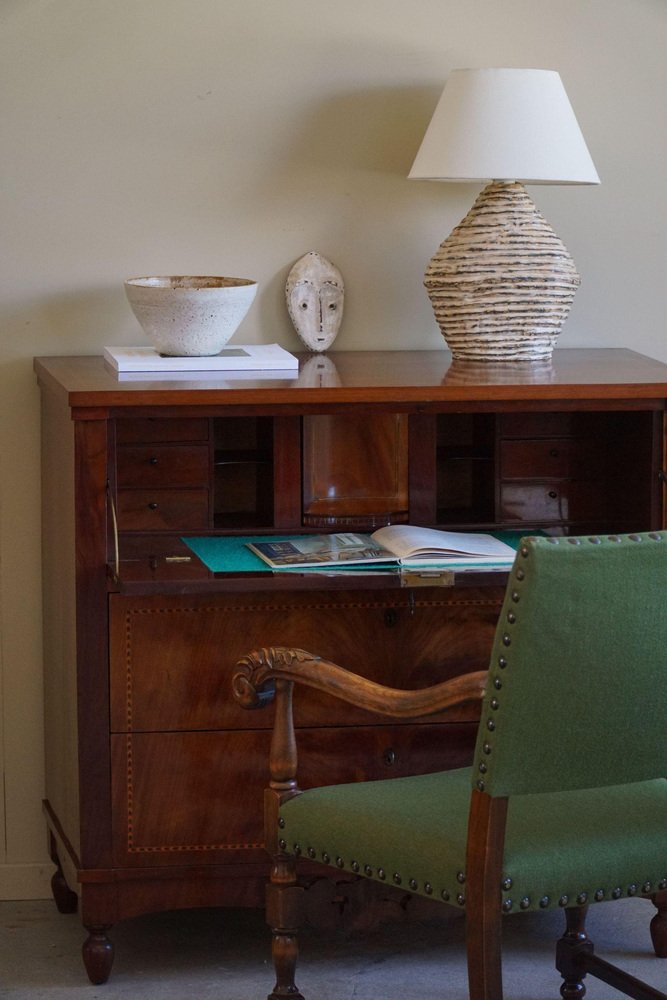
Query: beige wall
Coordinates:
[230,137]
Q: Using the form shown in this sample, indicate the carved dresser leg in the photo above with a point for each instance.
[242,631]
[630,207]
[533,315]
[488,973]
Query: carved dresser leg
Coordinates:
[659,924]
[284,905]
[98,954]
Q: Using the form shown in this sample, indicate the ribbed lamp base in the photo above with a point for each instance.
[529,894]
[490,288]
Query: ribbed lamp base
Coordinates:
[502,283]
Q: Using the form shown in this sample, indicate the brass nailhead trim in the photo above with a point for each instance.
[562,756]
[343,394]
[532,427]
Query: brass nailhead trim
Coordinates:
[460,899]
[428,888]
[368,870]
[382,873]
[354,866]
[599,895]
[632,890]
[325,857]
[507,905]
[311,852]
[564,900]
[445,895]
[544,902]
[282,844]
[525,903]
[582,898]
[397,878]
[340,863]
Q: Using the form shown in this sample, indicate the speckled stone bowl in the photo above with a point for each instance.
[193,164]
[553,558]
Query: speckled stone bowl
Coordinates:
[185,316]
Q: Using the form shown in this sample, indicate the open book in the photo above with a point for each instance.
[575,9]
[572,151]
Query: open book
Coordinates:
[404,544]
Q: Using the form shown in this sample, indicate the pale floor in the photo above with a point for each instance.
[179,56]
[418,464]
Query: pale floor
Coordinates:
[223,954]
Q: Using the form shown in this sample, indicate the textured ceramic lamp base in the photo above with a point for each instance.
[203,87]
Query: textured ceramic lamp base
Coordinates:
[502,283]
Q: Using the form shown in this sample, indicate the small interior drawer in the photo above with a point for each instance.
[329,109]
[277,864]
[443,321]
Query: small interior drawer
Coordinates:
[530,425]
[550,457]
[163,465]
[144,430]
[158,510]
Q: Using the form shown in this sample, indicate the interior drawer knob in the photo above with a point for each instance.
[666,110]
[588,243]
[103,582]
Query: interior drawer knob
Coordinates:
[389,757]
[153,505]
[153,460]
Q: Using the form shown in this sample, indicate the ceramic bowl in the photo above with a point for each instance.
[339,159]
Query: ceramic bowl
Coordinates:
[185,316]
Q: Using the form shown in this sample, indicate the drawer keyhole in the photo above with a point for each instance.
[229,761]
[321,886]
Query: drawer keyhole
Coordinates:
[390,617]
[553,494]
[389,757]
[554,452]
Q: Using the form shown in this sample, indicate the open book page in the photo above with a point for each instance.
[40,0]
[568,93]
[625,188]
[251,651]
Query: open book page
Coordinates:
[398,544]
[321,550]
[414,545]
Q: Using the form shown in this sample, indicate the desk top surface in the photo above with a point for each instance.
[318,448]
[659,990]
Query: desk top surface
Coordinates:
[375,377]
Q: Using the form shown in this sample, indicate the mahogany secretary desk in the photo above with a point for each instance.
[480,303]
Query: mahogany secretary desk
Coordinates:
[154,774]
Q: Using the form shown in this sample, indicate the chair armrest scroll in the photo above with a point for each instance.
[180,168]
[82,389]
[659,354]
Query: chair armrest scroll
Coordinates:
[256,674]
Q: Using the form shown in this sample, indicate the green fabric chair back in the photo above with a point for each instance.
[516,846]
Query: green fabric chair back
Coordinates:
[577,693]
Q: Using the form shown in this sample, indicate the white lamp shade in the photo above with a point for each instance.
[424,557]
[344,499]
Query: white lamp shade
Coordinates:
[504,124]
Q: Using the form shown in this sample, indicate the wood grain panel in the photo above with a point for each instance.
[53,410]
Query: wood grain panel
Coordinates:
[355,466]
[184,797]
[172,658]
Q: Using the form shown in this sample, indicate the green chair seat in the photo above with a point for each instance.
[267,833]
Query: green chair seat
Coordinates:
[561,848]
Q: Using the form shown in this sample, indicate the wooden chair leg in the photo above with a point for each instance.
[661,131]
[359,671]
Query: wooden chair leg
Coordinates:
[484,951]
[659,924]
[486,829]
[573,942]
[284,906]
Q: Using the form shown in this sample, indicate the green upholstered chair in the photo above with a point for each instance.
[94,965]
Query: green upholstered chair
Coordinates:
[565,804]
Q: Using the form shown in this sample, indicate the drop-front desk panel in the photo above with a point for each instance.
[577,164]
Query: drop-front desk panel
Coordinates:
[154,774]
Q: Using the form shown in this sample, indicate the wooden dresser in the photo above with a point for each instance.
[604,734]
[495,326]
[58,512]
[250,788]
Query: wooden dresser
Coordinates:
[154,774]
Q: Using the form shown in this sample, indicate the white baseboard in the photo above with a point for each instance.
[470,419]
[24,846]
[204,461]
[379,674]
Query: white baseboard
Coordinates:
[26,881]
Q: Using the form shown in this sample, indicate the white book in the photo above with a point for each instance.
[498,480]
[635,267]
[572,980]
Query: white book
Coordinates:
[239,357]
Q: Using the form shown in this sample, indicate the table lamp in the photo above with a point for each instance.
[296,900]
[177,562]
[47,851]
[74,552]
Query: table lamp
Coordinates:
[502,283]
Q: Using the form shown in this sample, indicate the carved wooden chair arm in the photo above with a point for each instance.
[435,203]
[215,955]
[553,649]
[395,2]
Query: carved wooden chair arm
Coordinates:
[256,674]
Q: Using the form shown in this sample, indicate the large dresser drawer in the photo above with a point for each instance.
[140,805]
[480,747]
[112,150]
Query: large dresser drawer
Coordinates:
[197,797]
[172,659]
